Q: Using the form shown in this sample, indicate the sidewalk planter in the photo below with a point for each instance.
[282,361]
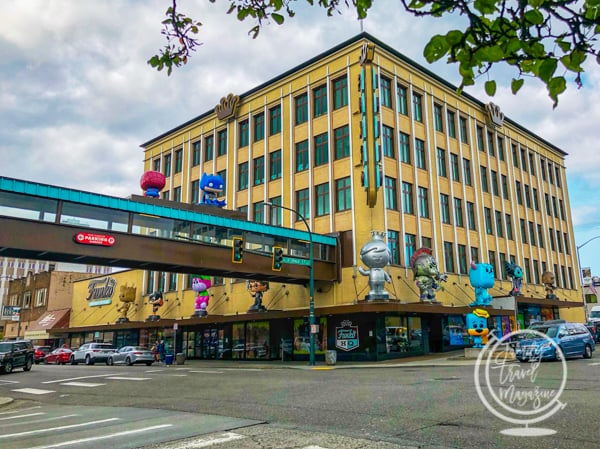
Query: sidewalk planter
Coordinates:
[179,359]
[331,357]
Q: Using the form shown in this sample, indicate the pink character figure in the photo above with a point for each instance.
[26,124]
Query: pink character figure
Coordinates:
[201,284]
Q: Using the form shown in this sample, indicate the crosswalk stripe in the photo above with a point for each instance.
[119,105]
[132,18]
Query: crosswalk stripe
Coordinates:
[82,384]
[207,372]
[33,391]
[129,378]
[22,416]
[51,429]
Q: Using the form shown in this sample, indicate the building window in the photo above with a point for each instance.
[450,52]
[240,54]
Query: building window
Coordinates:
[471,216]
[342,142]
[499,228]
[441,162]
[562,209]
[449,257]
[386,92]
[195,190]
[523,231]
[504,182]
[301,109]
[551,235]
[172,282]
[558,241]
[438,118]
[243,176]
[454,167]
[479,132]
[302,156]
[391,194]
[275,165]
[177,193]
[492,262]
[209,146]
[178,161]
[557,169]
[40,297]
[343,195]
[402,100]
[503,266]
[543,168]
[259,170]
[407,198]
[420,154]
[458,213]
[259,212]
[550,175]
[519,192]
[393,238]
[445,208]
[302,204]
[495,183]
[566,239]
[500,141]
[417,107]
[150,282]
[464,135]
[467,171]
[165,195]
[340,92]
[321,149]
[259,127]
[523,159]
[404,147]
[195,154]
[508,226]
[275,120]
[423,203]
[320,101]
[167,165]
[223,175]
[462,259]
[536,200]
[490,139]
[275,212]
[451,124]
[322,197]
[474,254]
[387,137]
[547,198]
[426,242]
[484,179]
[222,138]
[531,233]
[410,244]
[244,133]
[156,164]
[540,236]
[488,220]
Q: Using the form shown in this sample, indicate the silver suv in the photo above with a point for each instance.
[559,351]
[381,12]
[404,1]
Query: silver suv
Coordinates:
[91,353]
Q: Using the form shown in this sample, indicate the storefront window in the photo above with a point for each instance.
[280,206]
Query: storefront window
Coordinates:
[396,334]
[238,341]
[257,340]
[302,337]
[415,335]
[455,331]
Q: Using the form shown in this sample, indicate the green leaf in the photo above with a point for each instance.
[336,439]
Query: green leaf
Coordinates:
[515,85]
[564,46]
[536,3]
[490,54]
[556,86]
[534,16]
[490,87]
[485,6]
[436,48]
[453,37]
[547,69]
[278,18]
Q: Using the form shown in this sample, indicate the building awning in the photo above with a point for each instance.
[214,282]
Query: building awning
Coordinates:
[52,319]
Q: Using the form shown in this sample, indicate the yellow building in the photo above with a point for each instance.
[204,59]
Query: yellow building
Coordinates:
[361,139]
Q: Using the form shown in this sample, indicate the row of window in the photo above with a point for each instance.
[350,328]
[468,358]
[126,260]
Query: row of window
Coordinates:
[41,295]
[167,282]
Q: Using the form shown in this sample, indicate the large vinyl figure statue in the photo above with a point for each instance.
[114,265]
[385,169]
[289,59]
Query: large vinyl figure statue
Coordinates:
[477,327]
[516,273]
[212,187]
[427,275]
[201,284]
[376,255]
[256,289]
[126,297]
[156,300]
[481,276]
[548,280]
[152,182]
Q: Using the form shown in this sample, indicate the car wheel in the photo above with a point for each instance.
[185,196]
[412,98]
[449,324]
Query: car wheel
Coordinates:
[128,361]
[587,352]
[57,361]
[28,365]
[73,362]
[110,361]
[8,367]
[88,360]
[148,363]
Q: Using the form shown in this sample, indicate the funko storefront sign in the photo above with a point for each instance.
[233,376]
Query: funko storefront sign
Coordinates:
[346,336]
[101,291]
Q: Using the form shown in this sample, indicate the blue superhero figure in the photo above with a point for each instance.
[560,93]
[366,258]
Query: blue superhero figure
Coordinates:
[477,327]
[211,187]
[481,277]
[516,273]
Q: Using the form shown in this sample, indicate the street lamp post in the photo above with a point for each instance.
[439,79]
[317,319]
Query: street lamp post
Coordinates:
[581,274]
[311,282]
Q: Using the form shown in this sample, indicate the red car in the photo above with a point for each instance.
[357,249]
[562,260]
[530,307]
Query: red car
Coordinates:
[60,356]
[40,352]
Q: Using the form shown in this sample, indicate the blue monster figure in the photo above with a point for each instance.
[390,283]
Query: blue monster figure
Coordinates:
[516,273]
[481,276]
[477,327]
[211,186]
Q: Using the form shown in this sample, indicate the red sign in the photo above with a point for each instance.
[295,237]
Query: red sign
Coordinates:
[87,238]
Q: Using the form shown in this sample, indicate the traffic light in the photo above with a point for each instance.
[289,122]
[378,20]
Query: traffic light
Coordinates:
[237,254]
[277,258]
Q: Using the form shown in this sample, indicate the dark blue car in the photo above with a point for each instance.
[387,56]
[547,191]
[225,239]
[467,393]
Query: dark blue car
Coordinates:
[574,340]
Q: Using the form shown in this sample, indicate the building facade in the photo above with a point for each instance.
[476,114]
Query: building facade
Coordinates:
[361,139]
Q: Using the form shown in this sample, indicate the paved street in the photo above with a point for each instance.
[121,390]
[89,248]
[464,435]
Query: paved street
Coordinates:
[231,405]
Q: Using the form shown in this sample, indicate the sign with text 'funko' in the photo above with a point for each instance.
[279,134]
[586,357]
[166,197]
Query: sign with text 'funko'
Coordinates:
[101,291]
[346,336]
[89,238]
[495,114]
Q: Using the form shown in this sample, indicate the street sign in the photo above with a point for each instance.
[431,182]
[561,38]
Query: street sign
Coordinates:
[296,261]
[175,327]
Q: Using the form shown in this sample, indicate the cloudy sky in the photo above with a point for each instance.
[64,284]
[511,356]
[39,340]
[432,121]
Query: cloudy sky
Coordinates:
[77,97]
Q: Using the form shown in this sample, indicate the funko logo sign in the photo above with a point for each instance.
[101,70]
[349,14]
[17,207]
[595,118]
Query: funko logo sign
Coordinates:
[227,107]
[495,114]
[367,53]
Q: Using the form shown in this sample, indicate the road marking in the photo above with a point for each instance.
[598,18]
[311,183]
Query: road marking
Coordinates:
[593,364]
[322,368]
[78,378]
[82,384]
[207,372]
[33,391]
[22,416]
[20,410]
[9,381]
[178,375]
[129,378]
[243,369]
[103,437]
[313,447]
[211,441]
[155,371]
[51,429]
[37,421]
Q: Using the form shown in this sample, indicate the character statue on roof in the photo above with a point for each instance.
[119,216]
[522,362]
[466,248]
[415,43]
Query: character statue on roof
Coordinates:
[376,255]
[477,327]
[201,284]
[549,281]
[212,187]
[126,297]
[516,273]
[156,300]
[152,182]
[256,289]
[427,275]
[481,277]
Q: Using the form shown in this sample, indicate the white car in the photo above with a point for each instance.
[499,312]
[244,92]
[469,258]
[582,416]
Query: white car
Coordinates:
[91,353]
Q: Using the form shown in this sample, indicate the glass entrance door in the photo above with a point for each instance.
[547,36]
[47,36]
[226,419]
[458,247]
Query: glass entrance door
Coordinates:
[210,343]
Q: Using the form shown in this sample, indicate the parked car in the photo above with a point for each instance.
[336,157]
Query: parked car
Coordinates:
[91,353]
[40,352]
[16,354]
[574,340]
[60,356]
[130,355]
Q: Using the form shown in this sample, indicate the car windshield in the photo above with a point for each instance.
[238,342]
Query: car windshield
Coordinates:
[5,347]
[595,314]
[43,348]
[140,348]
[550,331]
